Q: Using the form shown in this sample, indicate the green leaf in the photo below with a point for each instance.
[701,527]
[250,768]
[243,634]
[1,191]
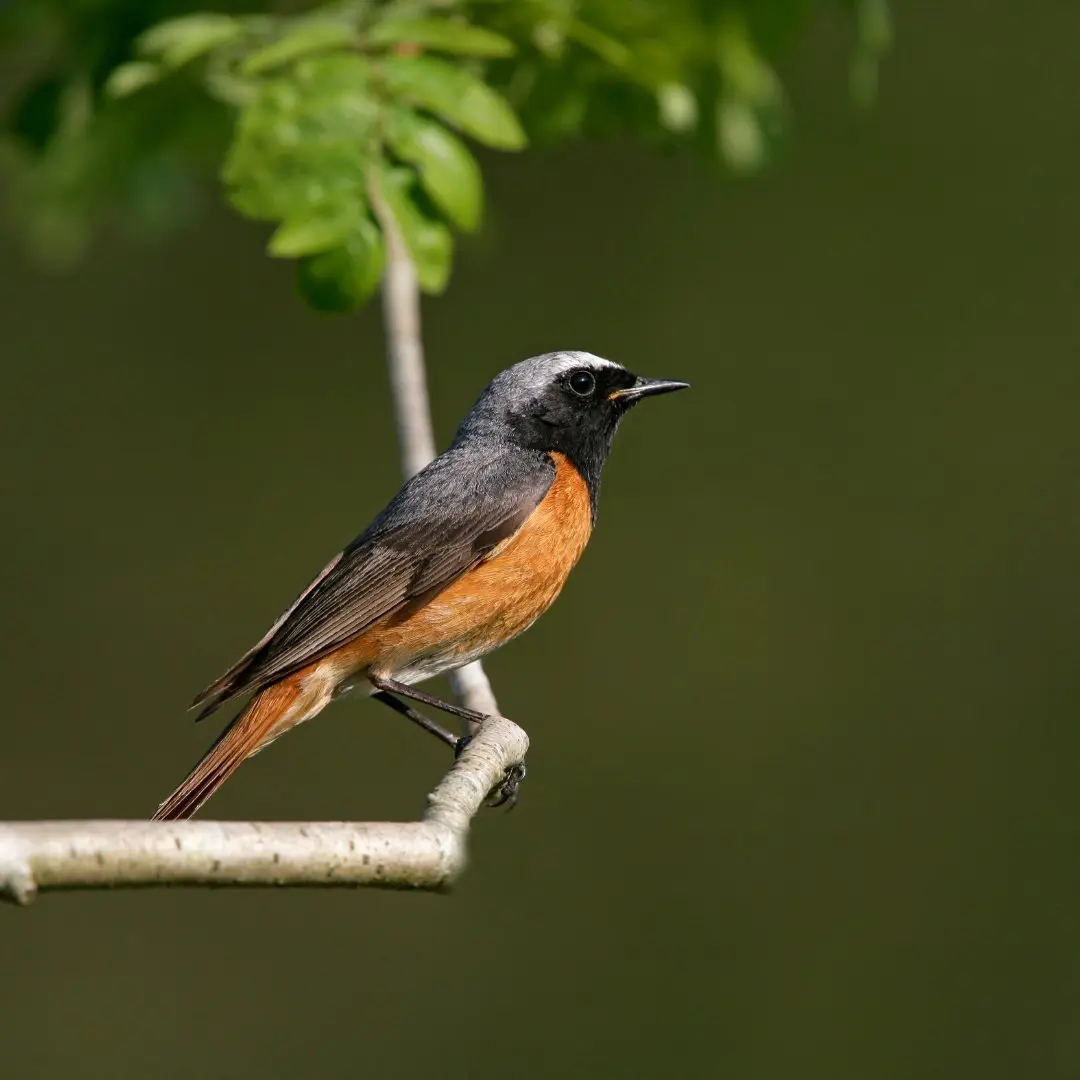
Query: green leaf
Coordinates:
[441,35]
[678,107]
[306,236]
[739,135]
[874,37]
[428,241]
[303,144]
[225,84]
[873,24]
[342,279]
[128,78]
[179,41]
[750,118]
[550,39]
[448,171]
[607,48]
[746,72]
[456,95]
[302,41]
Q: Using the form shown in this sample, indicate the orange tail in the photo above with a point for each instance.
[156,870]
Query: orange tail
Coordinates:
[257,725]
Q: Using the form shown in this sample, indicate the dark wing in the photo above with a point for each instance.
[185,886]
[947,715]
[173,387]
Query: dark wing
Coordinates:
[442,523]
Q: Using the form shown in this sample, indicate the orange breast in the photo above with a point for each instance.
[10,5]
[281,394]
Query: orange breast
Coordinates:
[498,599]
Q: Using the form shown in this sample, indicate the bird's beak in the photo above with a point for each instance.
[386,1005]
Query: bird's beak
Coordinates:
[645,388]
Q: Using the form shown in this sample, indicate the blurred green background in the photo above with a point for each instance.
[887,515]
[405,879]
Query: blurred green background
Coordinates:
[801,797]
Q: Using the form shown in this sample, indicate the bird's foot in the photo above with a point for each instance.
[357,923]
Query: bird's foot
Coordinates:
[506,792]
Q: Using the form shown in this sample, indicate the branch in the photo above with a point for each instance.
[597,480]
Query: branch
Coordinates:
[426,854]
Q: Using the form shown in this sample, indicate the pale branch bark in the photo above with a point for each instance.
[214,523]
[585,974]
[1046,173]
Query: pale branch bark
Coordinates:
[426,854]
[405,349]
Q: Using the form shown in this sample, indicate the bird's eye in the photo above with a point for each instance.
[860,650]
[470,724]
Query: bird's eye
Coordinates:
[583,383]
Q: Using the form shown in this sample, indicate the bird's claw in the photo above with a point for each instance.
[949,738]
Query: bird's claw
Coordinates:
[506,793]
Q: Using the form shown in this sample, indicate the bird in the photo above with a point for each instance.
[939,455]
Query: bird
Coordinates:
[468,554]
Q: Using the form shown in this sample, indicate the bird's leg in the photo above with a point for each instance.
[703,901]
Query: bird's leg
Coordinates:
[381,682]
[506,793]
[416,717]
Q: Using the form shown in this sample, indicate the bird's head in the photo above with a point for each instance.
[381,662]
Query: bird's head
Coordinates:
[569,402]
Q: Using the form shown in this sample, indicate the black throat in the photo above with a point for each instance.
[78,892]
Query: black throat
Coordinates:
[583,432]
[587,453]
[551,418]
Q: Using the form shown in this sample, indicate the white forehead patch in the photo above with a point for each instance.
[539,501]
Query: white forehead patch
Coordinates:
[536,373]
[564,361]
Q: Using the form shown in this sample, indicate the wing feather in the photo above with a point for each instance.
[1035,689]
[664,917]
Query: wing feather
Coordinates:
[442,522]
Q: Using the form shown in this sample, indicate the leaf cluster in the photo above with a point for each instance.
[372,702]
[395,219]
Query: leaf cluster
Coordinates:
[315,115]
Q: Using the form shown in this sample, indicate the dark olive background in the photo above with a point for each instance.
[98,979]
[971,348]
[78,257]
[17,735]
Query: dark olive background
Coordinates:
[802,798]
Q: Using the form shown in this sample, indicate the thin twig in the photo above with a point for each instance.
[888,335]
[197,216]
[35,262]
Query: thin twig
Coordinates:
[405,349]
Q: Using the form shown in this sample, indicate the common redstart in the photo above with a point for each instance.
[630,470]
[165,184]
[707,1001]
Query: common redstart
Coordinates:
[468,554]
